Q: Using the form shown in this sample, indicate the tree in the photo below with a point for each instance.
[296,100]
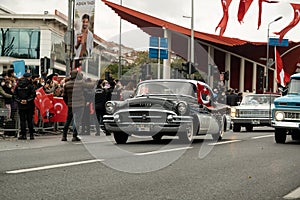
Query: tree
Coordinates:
[6,46]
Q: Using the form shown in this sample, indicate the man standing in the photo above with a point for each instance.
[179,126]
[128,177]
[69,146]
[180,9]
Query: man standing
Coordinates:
[74,99]
[24,95]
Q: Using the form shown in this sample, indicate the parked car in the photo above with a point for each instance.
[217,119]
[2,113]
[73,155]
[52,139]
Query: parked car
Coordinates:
[253,111]
[167,107]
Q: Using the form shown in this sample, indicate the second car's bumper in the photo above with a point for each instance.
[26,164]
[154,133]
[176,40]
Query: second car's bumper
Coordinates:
[287,125]
[252,121]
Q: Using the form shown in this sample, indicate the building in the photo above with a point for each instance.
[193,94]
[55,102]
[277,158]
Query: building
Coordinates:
[37,38]
[244,60]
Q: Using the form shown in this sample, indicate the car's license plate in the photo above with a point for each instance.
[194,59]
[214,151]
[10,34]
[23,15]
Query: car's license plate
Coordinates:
[255,122]
[142,127]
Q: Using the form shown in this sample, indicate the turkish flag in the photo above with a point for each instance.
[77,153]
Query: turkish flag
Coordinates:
[260,10]
[45,105]
[36,116]
[59,109]
[40,93]
[243,8]
[223,23]
[281,76]
[292,24]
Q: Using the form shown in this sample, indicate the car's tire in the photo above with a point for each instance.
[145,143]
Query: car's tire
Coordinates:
[295,135]
[280,135]
[236,128]
[120,137]
[187,136]
[157,137]
[219,136]
[249,128]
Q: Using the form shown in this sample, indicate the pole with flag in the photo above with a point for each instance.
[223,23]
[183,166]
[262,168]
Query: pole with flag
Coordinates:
[282,77]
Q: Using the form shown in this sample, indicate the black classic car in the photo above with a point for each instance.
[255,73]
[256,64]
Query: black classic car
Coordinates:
[167,107]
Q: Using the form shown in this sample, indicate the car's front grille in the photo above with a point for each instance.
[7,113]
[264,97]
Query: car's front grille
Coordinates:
[291,116]
[254,113]
[143,116]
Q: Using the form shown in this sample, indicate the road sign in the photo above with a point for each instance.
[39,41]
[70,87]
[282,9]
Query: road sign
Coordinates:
[161,44]
[153,53]
[154,42]
[275,42]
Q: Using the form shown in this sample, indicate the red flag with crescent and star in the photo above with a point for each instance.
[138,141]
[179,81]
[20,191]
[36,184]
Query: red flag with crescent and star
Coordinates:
[281,76]
[223,22]
[292,24]
[59,109]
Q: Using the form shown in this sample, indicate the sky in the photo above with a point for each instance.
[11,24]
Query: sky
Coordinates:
[207,14]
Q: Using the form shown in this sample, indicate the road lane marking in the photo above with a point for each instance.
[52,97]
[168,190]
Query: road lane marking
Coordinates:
[263,136]
[225,142]
[162,151]
[53,166]
[293,195]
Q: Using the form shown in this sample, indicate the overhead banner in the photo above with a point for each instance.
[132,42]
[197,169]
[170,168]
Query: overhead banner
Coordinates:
[84,28]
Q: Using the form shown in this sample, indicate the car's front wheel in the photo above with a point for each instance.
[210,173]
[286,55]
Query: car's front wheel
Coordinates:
[280,135]
[236,128]
[249,128]
[219,136]
[295,135]
[120,137]
[157,137]
[187,136]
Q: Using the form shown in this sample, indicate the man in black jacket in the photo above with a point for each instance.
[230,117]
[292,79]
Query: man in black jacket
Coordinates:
[24,94]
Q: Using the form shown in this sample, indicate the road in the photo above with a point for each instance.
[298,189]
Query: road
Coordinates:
[246,165]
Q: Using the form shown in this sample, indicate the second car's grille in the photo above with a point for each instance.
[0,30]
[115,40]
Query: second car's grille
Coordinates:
[254,113]
[143,116]
[292,116]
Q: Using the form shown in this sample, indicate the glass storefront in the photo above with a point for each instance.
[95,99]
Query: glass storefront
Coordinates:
[20,43]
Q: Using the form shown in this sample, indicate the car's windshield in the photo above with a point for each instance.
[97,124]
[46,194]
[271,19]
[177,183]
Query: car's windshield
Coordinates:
[257,99]
[294,87]
[166,88]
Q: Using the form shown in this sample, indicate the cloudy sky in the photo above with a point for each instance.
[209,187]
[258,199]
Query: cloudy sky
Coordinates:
[207,14]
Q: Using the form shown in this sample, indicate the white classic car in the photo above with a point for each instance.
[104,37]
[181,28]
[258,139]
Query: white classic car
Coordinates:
[254,110]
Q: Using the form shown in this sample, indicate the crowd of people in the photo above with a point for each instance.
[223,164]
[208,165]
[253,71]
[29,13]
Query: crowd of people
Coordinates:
[84,97]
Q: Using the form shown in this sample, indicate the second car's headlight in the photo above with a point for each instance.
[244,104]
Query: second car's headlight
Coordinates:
[181,108]
[110,107]
[279,116]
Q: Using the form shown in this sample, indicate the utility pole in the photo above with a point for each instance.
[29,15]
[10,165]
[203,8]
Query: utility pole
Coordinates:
[70,37]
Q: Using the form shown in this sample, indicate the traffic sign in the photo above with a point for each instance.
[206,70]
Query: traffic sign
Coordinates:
[275,42]
[153,53]
[161,44]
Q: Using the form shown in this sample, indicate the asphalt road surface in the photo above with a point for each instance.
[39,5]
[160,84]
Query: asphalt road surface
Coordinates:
[245,165]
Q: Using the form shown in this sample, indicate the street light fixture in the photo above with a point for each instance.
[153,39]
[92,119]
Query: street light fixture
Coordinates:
[267,60]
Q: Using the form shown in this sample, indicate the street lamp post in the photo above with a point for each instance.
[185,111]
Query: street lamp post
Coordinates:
[120,48]
[192,55]
[267,60]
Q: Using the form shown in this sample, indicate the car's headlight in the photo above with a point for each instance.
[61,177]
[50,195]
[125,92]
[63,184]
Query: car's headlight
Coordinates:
[233,112]
[279,116]
[181,108]
[110,107]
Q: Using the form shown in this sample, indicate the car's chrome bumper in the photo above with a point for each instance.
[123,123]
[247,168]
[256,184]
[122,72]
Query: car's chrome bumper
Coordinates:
[252,121]
[287,125]
[177,124]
